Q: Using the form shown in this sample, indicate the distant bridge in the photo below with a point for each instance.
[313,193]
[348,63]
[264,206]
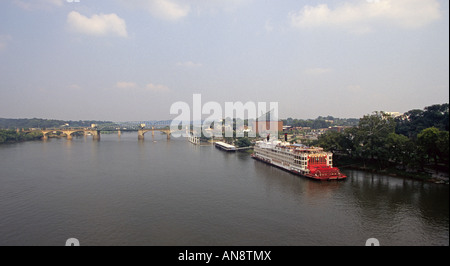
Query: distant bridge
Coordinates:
[69,131]
[141,127]
[136,125]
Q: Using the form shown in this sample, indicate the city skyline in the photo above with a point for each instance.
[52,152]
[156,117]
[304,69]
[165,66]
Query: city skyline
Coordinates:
[131,60]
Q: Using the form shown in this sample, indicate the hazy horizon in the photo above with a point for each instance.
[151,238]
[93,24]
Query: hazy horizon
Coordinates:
[121,60]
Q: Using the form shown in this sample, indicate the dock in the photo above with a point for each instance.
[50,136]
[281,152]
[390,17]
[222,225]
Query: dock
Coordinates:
[225,146]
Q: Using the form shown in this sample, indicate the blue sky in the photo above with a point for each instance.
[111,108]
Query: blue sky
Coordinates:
[132,59]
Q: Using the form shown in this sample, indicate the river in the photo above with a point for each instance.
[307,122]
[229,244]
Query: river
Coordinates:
[121,191]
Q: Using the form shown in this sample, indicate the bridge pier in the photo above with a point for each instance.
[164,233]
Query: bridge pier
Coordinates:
[44,134]
[68,134]
[96,135]
[141,134]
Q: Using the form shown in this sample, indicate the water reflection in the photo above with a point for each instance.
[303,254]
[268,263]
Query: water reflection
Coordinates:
[276,178]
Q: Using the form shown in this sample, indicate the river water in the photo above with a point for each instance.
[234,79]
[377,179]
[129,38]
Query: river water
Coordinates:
[121,191]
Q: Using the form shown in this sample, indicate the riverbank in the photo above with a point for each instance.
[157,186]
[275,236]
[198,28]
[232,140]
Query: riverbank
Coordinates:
[12,136]
[428,175]
[345,162]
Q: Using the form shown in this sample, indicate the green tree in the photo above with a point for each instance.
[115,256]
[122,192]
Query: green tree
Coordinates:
[370,138]
[443,146]
[428,141]
[7,136]
[243,142]
[414,121]
[11,136]
[400,149]
[338,142]
[332,141]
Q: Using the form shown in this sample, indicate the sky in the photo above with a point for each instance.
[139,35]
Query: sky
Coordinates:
[130,60]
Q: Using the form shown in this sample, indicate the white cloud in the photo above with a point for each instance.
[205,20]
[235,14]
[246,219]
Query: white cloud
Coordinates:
[97,25]
[170,10]
[189,64]
[4,41]
[174,10]
[362,16]
[38,4]
[317,71]
[167,9]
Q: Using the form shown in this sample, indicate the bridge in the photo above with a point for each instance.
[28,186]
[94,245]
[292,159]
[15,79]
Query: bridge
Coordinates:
[69,131]
[140,127]
[141,132]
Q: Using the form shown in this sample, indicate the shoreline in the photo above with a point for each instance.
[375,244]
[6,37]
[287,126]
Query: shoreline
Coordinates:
[425,176]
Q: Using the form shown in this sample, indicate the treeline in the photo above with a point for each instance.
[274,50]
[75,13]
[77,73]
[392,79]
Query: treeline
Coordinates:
[45,123]
[321,122]
[12,136]
[414,121]
[418,139]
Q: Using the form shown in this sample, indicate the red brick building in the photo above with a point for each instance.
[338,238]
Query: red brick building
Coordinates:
[267,126]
